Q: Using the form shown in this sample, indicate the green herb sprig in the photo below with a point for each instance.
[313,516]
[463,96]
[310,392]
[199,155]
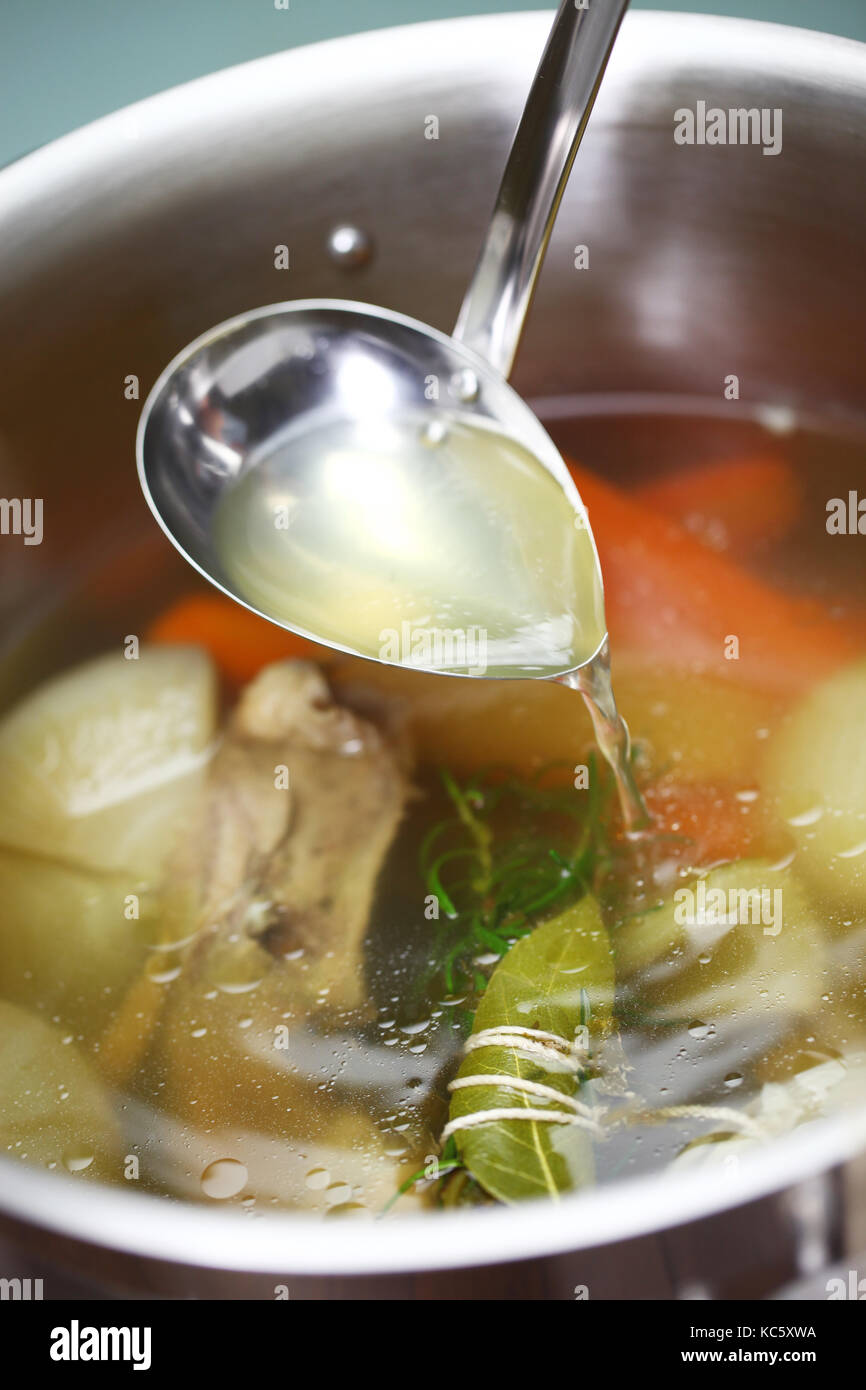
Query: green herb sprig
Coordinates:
[510,851]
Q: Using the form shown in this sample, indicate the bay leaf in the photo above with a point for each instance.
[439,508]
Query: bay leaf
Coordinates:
[560,980]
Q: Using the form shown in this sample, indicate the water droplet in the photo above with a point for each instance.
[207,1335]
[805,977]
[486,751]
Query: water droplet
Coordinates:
[223,1178]
[76,1160]
[347,1209]
[699,1030]
[161,974]
[239,986]
[434,434]
[338,1192]
[318,1178]
[733,1079]
[237,968]
[465,385]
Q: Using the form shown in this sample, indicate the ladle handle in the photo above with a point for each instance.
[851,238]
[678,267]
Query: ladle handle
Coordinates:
[551,128]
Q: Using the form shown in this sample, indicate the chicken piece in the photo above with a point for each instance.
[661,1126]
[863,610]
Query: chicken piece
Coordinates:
[273,882]
[303,802]
[305,797]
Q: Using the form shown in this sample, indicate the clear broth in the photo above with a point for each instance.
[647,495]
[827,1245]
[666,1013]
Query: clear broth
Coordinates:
[202,1115]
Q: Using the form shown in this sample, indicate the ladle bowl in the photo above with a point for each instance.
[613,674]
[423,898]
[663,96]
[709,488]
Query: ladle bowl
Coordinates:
[233,396]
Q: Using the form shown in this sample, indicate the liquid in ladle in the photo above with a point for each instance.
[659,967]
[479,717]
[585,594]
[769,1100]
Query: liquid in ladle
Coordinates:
[441,544]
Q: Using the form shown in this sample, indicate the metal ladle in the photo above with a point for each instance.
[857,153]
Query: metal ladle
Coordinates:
[223,401]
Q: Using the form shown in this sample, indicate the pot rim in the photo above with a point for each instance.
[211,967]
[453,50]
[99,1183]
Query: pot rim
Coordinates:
[289,1243]
[280,1242]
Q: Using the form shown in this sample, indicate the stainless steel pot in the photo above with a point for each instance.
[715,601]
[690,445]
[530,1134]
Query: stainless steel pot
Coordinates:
[126,239]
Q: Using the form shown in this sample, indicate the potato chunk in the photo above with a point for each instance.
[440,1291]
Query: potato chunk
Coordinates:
[101,767]
[744,937]
[53,1110]
[816,772]
[100,764]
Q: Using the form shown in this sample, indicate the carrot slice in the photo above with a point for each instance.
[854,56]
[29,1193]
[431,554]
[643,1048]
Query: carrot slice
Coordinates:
[239,641]
[707,823]
[732,505]
[669,596]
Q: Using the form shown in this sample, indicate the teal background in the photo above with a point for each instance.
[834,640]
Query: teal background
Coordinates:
[66,62]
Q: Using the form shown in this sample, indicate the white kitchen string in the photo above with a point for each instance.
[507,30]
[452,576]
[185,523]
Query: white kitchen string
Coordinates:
[536,1044]
[532,1042]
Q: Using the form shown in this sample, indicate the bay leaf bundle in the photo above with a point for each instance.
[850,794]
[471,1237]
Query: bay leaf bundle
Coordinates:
[558,980]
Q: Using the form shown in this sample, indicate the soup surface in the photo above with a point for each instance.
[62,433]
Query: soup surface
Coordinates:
[279,927]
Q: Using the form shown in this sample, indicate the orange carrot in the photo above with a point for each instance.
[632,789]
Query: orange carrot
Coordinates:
[239,641]
[670,596]
[704,824]
[731,505]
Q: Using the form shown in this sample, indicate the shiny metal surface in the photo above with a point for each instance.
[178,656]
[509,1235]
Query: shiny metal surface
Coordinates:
[551,128]
[231,395]
[226,401]
[126,240]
